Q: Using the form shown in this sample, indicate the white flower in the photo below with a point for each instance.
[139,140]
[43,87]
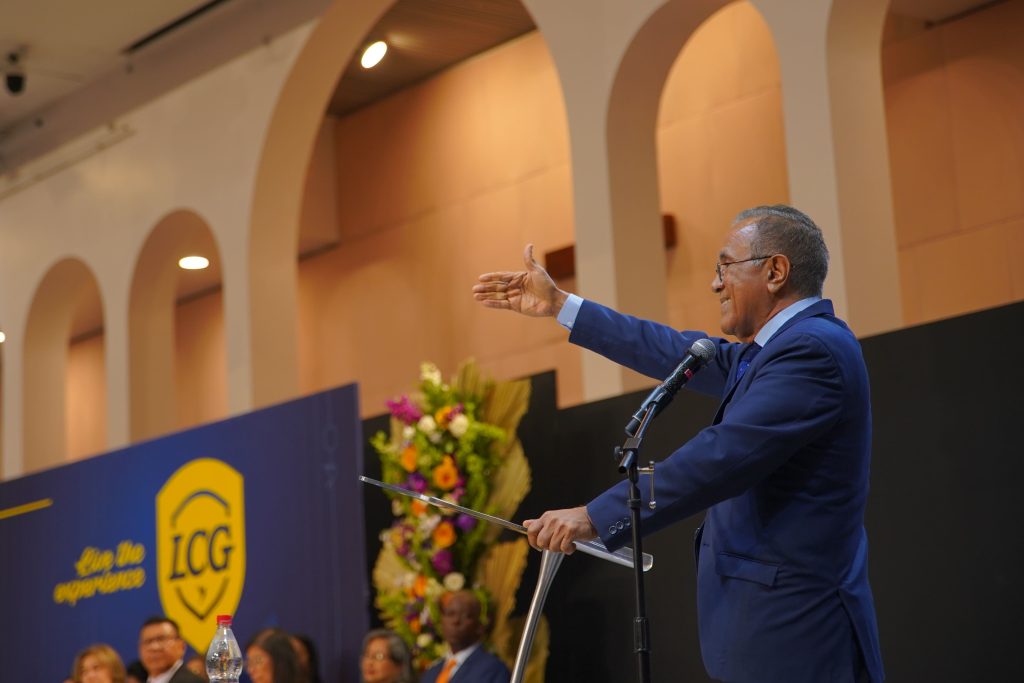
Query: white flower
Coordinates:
[458,425]
[433,590]
[430,373]
[396,508]
[429,523]
[408,431]
[424,640]
[435,437]
[427,425]
[454,582]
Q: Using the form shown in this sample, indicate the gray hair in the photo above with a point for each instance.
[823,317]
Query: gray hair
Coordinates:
[398,651]
[781,229]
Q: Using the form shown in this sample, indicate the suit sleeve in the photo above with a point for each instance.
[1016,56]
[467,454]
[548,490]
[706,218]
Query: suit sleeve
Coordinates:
[649,348]
[796,396]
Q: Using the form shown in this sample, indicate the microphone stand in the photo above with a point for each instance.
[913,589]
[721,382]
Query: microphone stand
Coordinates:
[628,454]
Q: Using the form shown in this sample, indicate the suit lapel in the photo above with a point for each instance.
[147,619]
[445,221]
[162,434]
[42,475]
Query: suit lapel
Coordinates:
[823,307]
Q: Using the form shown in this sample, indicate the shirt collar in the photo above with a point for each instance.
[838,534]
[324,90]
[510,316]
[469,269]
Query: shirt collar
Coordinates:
[463,654]
[781,318]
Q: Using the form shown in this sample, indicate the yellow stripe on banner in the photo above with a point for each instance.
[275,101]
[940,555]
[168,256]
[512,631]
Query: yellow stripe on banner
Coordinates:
[26,508]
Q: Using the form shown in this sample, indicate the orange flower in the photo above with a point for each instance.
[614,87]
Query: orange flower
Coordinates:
[419,586]
[444,535]
[418,507]
[415,626]
[408,458]
[446,475]
[442,416]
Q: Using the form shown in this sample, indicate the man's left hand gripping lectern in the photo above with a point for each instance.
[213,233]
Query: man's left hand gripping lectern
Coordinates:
[549,564]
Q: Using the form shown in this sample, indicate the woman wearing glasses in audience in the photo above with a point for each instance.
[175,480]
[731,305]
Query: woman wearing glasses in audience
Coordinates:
[386,659]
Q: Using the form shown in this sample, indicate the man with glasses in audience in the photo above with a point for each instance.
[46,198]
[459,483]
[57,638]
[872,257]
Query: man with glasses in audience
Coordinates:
[162,652]
[782,583]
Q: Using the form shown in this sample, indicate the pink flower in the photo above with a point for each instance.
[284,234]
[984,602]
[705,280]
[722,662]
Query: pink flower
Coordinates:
[442,561]
[405,410]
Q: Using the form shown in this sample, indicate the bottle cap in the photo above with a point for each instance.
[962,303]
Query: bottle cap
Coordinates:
[223,620]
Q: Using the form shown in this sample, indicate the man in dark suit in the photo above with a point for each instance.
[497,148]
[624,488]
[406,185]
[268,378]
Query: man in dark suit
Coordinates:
[162,652]
[782,587]
[467,660]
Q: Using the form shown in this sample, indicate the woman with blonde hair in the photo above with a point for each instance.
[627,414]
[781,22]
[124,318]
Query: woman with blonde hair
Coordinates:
[98,664]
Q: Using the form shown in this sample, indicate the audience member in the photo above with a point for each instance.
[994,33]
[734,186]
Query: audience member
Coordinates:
[136,673]
[98,664]
[271,658]
[162,652]
[467,660]
[309,661]
[197,665]
[386,659]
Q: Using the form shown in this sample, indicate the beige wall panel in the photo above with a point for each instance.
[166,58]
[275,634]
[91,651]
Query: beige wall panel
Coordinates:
[986,100]
[375,312]
[86,399]
[486,123]
[922,158]
[200,364]
[959,274]
[749,166]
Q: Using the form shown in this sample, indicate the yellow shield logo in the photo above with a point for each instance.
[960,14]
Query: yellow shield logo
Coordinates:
[200,546]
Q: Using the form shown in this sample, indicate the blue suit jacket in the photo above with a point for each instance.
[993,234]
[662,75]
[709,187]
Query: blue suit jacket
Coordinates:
[782,584]
[479,667]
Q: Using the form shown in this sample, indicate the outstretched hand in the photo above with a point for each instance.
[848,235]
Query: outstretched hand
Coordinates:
[557,529]
[530,292]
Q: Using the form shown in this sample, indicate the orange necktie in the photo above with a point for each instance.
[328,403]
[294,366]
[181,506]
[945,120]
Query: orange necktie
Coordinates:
[446,672]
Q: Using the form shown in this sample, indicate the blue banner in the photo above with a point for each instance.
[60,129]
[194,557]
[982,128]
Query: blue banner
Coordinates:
[259,516]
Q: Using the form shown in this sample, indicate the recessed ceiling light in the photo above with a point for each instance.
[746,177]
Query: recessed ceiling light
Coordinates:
[373,54]
[3,337]
[194,262]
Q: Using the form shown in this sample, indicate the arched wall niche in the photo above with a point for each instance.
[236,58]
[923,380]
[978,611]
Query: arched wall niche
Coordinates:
[436,183]
[177,367]
[721,149]
[413,171]
[66,290]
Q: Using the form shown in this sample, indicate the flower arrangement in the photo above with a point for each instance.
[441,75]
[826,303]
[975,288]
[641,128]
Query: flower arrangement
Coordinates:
[456,442]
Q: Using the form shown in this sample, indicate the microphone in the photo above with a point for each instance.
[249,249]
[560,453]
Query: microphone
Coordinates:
[700,354]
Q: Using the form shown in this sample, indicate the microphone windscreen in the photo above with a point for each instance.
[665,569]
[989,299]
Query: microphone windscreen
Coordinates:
[704,349]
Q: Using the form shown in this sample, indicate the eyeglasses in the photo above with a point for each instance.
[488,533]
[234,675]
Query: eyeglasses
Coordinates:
[720,266]
[159,641]
[376,656]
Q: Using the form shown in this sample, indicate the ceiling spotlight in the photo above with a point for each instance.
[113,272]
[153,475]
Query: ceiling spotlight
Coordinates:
[193,262]
[3,337]
[14,77]
[373,54]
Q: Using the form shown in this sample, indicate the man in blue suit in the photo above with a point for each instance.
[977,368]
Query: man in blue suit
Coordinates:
[467,660]
[782,585]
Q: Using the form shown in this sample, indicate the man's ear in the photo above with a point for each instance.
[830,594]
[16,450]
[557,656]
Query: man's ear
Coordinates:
[778,272]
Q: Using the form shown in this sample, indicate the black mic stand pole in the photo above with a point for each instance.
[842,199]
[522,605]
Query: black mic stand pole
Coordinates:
[627,455]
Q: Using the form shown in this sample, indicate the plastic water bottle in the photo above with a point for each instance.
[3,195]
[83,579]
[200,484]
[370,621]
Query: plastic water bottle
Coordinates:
[224,658]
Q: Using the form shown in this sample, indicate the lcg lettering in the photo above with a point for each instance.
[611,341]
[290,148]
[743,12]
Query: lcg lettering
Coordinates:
[213,553]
